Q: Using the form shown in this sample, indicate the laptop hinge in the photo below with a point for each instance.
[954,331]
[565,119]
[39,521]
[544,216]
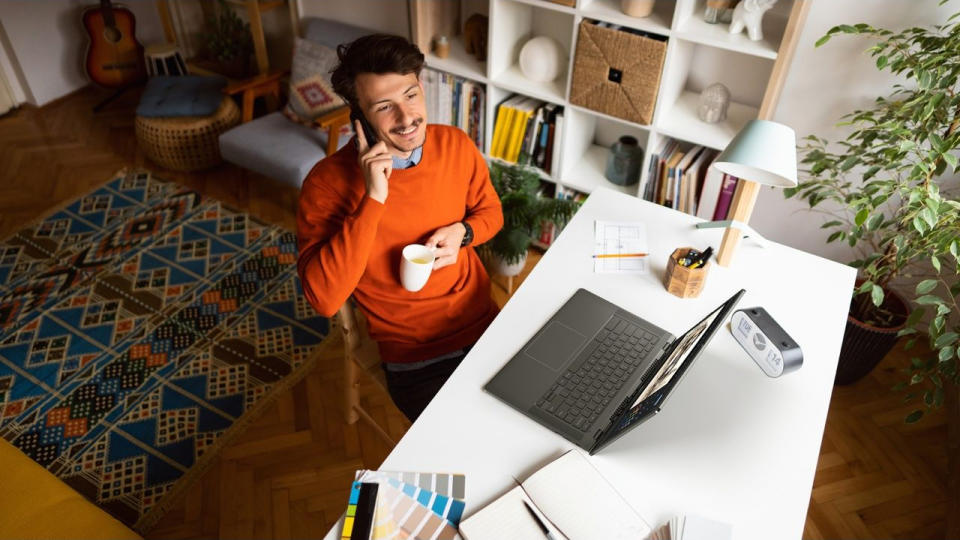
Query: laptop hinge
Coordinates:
[644,381]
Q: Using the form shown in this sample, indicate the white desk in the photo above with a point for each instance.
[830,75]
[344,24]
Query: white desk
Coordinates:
[731,443]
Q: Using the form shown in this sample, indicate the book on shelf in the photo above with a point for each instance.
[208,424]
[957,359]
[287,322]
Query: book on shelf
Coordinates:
[504,123]
[667,189]
[712,184]
[455,101]
[553,154]
[568,496]
[680,190]
[540,149]
[727,189]
[693,177]
[521,122]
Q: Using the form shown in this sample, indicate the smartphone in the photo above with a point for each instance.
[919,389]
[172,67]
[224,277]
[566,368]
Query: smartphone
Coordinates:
[368,132]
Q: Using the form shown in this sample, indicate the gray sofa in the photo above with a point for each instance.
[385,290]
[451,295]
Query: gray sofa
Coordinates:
[276,147]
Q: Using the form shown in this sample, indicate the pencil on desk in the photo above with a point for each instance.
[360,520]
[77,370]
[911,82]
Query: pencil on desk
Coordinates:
[619,255]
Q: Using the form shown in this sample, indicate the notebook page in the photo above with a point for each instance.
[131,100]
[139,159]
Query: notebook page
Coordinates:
[505,517]
[582,504]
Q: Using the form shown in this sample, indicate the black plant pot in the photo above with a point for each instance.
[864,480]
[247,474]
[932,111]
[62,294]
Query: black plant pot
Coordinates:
[865,345]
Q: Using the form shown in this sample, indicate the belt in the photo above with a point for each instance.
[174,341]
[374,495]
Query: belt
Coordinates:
[410,366]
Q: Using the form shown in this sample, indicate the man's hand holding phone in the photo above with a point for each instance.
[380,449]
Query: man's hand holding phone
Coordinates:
[376,163]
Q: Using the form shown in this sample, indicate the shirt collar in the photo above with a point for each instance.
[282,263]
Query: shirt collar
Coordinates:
[406,163]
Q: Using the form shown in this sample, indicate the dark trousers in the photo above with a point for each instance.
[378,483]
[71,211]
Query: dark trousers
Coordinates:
[412,390]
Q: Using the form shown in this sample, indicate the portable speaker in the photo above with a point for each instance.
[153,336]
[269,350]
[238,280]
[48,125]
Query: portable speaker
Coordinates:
[765,341]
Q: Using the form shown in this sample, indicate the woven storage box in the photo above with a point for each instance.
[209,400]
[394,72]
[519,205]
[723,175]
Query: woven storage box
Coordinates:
[187,143]
[617,73]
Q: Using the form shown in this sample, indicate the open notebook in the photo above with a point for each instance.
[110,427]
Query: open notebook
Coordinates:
[572,499]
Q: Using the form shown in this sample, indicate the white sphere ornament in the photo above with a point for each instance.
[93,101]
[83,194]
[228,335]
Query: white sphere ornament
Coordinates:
[541,59]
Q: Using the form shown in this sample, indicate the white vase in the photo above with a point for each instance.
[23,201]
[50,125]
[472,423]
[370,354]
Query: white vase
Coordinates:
[509,270]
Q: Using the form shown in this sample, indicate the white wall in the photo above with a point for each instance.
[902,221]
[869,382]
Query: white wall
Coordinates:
[388,16]
[49,43]
[822,85]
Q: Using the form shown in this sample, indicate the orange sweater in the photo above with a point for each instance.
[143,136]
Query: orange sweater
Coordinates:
[351,244]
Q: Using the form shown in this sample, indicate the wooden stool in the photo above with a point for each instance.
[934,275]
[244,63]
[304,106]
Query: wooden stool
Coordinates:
[186,143]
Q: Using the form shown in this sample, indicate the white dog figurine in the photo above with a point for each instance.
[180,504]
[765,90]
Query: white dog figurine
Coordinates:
[748,13]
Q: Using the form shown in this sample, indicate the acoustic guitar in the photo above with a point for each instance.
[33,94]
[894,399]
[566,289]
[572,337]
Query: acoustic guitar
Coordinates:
[114,56]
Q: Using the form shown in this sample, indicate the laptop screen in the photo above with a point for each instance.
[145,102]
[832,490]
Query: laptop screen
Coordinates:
[688,346]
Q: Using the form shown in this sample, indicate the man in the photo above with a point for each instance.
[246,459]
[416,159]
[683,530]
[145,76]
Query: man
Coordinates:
[416,183]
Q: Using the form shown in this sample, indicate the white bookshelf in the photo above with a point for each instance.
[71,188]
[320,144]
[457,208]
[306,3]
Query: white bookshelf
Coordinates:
[698,54]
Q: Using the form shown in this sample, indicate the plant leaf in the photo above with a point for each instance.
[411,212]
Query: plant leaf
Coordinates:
[929,299]
[947,339]
[935,262]
[926,286]
[946,353]
[913,417]
[861,216]
[951,160]
[876,294]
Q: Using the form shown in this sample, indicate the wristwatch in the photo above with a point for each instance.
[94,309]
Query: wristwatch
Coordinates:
[468,236]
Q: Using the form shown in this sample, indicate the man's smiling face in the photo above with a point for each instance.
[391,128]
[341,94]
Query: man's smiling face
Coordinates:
[396,109]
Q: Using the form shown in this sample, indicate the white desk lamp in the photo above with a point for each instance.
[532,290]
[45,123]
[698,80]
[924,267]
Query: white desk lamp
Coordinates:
[764,152]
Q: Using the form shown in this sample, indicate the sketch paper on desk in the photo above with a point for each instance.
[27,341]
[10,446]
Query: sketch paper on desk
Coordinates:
[620,238]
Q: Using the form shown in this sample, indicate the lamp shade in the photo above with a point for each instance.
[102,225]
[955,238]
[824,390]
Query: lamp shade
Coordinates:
[764,152]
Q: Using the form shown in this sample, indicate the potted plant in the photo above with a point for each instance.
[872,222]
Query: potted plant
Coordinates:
[524,212]
[227,42]
[887,177]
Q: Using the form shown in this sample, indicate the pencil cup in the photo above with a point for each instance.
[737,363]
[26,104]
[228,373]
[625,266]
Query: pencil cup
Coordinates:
[682,281]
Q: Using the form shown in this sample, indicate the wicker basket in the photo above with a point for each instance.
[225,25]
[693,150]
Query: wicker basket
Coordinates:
[617,72]
[187,143]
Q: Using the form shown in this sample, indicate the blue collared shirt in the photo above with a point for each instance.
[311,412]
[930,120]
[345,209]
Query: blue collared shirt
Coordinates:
[401,163]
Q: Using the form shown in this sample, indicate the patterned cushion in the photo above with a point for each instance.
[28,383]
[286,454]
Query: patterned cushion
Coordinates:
[311,94]
[192,95]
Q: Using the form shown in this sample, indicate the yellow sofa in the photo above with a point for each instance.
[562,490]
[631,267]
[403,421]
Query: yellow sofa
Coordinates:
[36,504]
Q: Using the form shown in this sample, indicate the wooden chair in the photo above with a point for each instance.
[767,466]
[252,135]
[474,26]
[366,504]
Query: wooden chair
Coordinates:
[269,86]
[360,356]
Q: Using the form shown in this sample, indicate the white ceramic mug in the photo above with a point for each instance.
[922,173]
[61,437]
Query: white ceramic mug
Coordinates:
[415,266]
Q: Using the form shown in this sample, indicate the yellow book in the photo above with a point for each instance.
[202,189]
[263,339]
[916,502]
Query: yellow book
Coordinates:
[503,124]
[524,111]
[498,128]
[508,131]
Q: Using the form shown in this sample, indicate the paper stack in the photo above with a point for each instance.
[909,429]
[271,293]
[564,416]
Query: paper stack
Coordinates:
[692,528]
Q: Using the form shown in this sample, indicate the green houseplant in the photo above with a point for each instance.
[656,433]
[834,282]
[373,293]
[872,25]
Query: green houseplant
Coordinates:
[524,212]
[228,42]
[888,178]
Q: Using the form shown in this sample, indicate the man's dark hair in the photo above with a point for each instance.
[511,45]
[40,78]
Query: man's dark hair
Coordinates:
[376,53]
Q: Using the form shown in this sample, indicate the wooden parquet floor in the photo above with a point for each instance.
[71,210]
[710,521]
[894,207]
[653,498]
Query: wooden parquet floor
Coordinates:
[287,475]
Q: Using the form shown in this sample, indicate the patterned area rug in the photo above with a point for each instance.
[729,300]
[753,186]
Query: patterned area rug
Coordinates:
[141,327]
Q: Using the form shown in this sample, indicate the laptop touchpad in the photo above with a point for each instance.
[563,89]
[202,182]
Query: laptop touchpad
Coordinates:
[555,345]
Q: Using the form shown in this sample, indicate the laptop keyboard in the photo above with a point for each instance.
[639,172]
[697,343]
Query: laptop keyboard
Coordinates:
[583,391]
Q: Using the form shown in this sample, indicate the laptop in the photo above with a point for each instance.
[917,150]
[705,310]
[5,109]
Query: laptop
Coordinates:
[595,371]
